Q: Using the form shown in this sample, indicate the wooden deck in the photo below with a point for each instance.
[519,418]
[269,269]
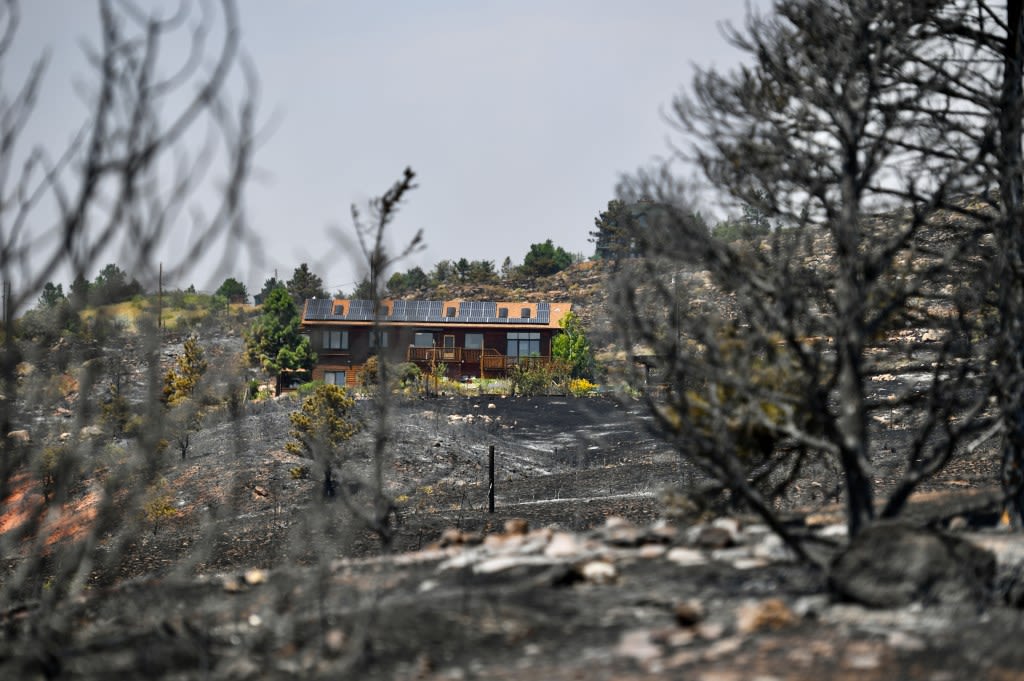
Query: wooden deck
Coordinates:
[489,360]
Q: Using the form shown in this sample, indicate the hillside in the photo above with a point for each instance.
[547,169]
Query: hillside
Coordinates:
[231,564]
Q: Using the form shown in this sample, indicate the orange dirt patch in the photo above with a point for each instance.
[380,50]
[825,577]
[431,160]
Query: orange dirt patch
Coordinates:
[26,502]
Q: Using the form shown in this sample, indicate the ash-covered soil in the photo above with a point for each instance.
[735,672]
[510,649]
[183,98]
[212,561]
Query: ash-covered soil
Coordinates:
[257,576]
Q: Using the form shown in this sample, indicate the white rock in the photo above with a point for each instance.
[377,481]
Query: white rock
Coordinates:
[836,530]
[502,563]
[562,545]
[731,554]
[638,645]
[749,563]
[730,525]
[681,555]
[771,547]
[599,572]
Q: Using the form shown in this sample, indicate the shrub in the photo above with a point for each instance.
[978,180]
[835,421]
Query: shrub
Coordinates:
[308,388]
[409,374]
[531,378]
[181,380]
[159,504]
[319,425]
[368,374]
[581,387]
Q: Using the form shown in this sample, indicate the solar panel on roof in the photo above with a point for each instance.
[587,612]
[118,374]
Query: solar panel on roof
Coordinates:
[318,308]
[432,311]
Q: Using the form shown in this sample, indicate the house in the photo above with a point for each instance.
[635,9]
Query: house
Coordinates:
[468,339]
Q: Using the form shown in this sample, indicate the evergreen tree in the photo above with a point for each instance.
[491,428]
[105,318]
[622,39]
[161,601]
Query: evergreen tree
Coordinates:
[268,286]
[442,273]
[482,272]
[181,380]
[79,292]
[52,295]
[611,235]
[304,284]
[113,286]
[363,290]
[545,259]
[233,290]
[274,341]
[323,422]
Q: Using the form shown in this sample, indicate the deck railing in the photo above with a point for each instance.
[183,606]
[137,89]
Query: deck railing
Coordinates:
[489,359]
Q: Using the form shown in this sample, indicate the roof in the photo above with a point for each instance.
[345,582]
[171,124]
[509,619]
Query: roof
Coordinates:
[399,312]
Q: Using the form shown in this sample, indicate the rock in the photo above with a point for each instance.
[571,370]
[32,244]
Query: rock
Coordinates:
[892,564]
[638,645]
[599,572]
[686,557]
[90,431]
[652,551]
[614,521]
[688,613]
[256,576]
[811,606]
[721,649]
[334,641]
[714,538]
[662,532]
[862,656]
[770,614]
[20,437]
[730,525]
[772,548]
[624,535]
[958,524]
[562,545]
[451,537]
[516,526]
[522,565]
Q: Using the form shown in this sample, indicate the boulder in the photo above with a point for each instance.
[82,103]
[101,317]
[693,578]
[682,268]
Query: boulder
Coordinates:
[893,564]
[19,437]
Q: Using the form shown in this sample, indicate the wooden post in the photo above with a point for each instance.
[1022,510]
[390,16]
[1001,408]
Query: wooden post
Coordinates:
[490,477]
[160,299]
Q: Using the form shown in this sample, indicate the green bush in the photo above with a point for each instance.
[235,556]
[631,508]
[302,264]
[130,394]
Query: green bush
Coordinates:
[530,379]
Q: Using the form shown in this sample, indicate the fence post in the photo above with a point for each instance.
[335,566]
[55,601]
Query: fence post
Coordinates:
[490,478]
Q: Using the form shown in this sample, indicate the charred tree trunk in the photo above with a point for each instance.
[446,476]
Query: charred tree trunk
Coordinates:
[1011,300]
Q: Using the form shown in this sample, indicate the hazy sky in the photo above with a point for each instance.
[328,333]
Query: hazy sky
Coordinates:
[517,116]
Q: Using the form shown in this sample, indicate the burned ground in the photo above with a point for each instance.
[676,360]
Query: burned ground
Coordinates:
[257,576]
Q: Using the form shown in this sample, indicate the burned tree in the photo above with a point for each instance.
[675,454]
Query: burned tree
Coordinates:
[134,167]
[771,353]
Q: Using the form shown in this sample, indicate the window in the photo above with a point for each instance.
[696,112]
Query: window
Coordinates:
[423,339]
[523,343]
[450,312]
[339,310]
[378,339]
[335,340]
[474,341]
[334,377]
[502,312]
[524,313]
